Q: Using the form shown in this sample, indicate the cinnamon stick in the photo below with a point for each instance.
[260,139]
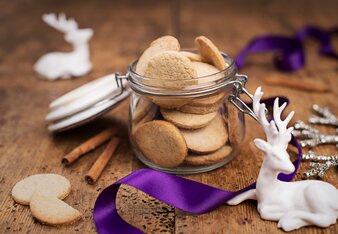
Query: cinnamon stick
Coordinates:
[302,84]
[101,162]
[88,145]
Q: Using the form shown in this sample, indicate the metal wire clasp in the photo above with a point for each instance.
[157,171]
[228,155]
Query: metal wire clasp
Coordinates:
[123,88]
[235,99]
[119,79]
[119,82]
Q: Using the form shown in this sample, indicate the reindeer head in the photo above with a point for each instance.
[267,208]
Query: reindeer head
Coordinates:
[73,34]
[277,133]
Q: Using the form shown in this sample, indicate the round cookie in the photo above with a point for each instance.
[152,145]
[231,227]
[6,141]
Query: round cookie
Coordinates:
[161,44]
[210,53]
[192,109]
[165,42]
[207,101]
[171,66]
[207,139]
[207,73]
[161,142]
[205,159]
[53,211]
[170,103]
[192,56]
[142,108]
[204,69]
[149,116]
[50,184]
[187,121]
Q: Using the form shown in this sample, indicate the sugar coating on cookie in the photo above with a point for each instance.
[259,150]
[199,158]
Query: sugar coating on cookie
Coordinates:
[161,142]
[188,121]
[170,65]
[210,52]
[205,159]
[207,139]
[51,184]
[52,211]
[161,44]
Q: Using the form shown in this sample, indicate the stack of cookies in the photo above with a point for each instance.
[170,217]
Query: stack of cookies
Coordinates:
[174,131]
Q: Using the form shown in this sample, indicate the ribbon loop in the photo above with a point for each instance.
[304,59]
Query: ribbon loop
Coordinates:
[290,52]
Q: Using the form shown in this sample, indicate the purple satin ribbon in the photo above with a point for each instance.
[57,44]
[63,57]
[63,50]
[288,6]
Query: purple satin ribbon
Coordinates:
[187,195]
[290,52]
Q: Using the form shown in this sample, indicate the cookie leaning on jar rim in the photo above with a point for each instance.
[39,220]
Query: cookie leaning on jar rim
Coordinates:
[190,132]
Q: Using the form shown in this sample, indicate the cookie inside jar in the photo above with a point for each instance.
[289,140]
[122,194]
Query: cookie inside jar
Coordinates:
[180,118]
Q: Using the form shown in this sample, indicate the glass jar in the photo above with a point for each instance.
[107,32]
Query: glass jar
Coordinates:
[177,126]
[186,126]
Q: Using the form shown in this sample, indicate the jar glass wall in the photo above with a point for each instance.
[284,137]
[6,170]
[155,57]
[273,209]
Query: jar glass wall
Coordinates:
[185,126]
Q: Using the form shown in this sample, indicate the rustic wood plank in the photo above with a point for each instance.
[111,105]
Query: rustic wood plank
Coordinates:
[231,26]
[122,30]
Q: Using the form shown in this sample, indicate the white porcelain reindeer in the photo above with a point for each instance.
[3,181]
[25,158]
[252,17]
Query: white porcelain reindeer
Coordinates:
[61,64]
[292,204]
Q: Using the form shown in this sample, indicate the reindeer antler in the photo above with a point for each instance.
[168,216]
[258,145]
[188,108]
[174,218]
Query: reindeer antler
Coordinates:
[284,132]
[60,23]
[259,110]
[276,131]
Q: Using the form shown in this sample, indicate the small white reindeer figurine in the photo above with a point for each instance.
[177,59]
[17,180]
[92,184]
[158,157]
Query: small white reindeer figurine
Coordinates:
[65,65]
[292,204]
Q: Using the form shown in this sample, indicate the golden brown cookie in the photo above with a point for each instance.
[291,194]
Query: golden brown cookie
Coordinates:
[170,66]
[209,100]
[204,69]
[192,56]
[236,132]
[205,159]
[52,184]
[210,53]
[165,42]
[162,143]
[149,116]
[143,107]
[52,211]
[161,44]
[207,73]
[170,103]
[207,139]
[195,109]
[187,121]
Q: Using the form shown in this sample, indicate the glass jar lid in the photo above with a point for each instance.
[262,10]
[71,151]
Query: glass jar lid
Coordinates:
[87,102]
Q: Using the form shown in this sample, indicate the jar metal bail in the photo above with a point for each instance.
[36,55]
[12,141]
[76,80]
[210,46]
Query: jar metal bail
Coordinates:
[235,98]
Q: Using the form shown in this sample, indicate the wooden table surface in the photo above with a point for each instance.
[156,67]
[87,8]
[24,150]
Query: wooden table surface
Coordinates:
[123,29]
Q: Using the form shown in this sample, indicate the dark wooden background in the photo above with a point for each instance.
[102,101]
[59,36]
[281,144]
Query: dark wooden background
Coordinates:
[123,29]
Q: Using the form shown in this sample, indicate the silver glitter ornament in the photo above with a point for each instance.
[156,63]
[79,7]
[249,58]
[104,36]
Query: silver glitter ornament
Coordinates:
[311,137]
